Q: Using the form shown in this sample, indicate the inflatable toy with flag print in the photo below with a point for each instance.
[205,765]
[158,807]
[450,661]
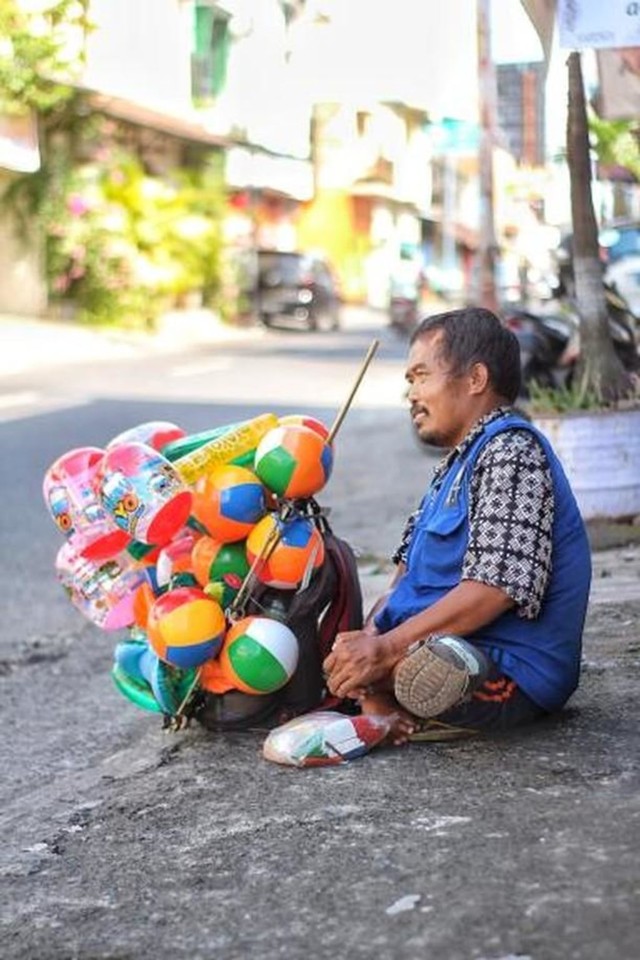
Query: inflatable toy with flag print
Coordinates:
[198,546]
[325,738]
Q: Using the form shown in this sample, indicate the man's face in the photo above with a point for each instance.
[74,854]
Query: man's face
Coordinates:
[440,405]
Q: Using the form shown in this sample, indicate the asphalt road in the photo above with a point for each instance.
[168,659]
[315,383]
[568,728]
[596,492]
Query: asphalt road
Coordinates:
[125,842]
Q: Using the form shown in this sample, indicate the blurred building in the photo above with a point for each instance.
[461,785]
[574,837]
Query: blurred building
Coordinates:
[396,146]
[22,286]
[521,110]
[378,77]
[372,192]
[346,127]
[183,79]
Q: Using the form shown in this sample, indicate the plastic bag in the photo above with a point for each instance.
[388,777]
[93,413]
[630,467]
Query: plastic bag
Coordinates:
[324,738]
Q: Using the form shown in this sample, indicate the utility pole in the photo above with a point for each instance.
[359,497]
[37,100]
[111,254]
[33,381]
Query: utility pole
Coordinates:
[485,293]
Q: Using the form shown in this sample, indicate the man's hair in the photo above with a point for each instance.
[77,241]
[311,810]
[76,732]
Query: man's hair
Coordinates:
[475,335]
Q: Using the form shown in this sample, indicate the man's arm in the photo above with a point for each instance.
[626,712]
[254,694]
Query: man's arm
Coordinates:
[360,658]
[369,624]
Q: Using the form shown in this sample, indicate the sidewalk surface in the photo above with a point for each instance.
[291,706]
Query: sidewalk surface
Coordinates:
[27,343]
[150,845]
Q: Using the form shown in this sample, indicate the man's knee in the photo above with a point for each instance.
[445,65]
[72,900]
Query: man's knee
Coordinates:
[438,673]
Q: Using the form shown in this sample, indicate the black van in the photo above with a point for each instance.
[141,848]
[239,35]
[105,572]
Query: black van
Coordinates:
[296,287]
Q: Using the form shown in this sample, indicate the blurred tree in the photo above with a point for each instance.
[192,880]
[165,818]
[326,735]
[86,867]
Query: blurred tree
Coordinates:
[38,54]
[600,372]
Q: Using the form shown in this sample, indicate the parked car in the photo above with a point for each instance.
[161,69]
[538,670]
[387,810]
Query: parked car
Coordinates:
[296,287]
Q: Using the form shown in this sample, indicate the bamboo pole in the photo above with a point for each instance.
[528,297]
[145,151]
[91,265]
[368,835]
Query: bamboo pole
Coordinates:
[274,537]
[337,423]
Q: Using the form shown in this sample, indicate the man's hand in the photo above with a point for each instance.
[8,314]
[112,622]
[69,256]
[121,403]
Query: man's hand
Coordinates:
[358,658]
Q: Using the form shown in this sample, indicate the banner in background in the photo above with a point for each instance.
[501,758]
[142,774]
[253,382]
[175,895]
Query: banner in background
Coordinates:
[598,24]
[610,26]
[619,75]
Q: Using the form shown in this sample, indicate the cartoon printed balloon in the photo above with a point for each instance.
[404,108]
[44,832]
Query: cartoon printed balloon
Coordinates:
[142,492]
[70,496]
[103,591]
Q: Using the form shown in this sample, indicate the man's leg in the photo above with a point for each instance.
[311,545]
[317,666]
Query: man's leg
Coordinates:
[450,679]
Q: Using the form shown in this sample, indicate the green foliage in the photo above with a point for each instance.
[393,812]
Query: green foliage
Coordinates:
[579,396]
[119,245]
[563,399]
[616,142]
[123,245]
[40,53]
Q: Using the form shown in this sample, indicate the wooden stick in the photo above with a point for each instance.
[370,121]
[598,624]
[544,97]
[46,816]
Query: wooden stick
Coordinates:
[274,537]
[337,423]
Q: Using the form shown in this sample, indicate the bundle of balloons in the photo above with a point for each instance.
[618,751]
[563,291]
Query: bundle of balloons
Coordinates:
[165,532]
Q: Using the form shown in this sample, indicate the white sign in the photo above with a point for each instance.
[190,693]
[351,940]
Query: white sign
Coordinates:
[598,24]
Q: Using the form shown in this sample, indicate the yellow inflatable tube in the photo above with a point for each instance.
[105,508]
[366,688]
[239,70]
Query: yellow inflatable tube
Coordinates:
[236,442]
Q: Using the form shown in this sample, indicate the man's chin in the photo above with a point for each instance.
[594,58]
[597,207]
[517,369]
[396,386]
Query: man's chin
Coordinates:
[426,437]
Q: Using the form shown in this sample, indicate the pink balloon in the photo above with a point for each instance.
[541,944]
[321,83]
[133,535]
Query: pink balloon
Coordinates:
[68,490]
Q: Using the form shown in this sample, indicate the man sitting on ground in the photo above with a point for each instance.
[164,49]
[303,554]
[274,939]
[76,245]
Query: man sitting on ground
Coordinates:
[482,626]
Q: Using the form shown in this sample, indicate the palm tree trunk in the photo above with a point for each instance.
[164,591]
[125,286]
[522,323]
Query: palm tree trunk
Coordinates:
[599,369]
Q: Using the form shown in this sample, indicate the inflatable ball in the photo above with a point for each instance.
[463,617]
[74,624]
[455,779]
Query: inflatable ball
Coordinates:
[259,655]
[298,550]
[229,502]
[185,627]
[293,461]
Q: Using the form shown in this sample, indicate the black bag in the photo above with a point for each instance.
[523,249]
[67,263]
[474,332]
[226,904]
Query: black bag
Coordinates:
[331,603]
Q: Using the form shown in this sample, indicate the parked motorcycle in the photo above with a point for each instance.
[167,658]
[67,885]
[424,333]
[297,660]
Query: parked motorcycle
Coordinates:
[550,342]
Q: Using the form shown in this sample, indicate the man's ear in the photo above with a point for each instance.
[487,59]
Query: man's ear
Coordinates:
[478,378]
